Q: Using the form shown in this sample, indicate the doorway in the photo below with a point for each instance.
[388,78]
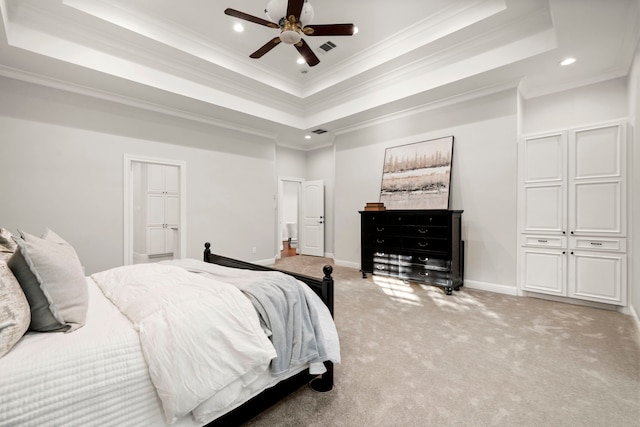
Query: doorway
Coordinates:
[155,226]
[288,214]
[300,217]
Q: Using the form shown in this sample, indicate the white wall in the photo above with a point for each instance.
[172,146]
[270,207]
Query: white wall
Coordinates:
[588,104]
[62,158]
[483,181]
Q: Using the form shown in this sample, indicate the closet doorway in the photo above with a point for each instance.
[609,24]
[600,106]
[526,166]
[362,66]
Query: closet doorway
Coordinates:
[289,200]
[300,217]
[153,206]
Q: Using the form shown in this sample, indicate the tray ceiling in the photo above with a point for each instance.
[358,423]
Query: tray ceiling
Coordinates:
[185,59]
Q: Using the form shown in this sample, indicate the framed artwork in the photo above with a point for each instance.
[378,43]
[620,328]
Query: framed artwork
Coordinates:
[418,175]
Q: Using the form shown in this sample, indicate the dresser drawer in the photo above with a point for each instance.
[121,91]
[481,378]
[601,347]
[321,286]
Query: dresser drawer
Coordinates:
[391,269]
[424,231]
[429,219]
[431,276]
[425,244]
[429,262]
[389,258]
[382,229]
[382,242]
[371,220]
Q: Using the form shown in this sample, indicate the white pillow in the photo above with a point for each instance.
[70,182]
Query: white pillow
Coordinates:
[14,310]
[52,279]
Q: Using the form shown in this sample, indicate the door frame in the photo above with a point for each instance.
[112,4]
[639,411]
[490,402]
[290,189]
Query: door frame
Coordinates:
[281,180]
[128,161]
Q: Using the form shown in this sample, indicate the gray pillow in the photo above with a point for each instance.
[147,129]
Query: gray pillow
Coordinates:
[14,310]
[52,279]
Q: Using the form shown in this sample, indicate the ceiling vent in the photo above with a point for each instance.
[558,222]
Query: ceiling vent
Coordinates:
[319,131]
[327,46]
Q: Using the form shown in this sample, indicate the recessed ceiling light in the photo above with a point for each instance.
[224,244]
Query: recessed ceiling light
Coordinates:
[300,60]
[355,30]
[568,61]
[307,137]
[238,27]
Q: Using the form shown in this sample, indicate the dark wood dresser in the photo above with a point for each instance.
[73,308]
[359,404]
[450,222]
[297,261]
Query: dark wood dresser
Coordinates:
[418,245]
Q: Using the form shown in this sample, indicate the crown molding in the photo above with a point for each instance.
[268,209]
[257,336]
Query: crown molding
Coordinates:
[46,81]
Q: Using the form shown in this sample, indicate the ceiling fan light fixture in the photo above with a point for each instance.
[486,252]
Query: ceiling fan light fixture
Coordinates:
[290,37]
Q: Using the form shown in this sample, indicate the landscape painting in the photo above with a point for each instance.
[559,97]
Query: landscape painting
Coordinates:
[417,176]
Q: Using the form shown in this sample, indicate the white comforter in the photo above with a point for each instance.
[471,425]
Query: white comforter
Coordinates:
[198,335]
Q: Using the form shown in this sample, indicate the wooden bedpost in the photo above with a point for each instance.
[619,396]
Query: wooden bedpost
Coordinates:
[207,251]
[324,382]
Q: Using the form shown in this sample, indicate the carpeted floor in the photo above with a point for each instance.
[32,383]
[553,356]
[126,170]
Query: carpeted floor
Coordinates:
[413,356]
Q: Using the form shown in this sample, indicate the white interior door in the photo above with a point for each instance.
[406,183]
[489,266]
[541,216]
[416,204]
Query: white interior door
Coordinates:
[312,218]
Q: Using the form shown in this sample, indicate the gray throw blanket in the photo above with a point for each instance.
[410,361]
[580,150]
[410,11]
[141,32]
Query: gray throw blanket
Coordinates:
[286,309]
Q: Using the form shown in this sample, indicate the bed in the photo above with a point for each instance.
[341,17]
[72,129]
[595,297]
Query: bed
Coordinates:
[146,354]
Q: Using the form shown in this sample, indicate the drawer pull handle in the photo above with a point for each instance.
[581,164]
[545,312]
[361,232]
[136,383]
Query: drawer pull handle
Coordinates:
[423,274]
[596,243]
[423,244]
[379,228]
[423,259]
[380,240]
[542,240]
[423,230]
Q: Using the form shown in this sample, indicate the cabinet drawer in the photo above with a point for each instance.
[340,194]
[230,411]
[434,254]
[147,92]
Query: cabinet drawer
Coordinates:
[545,241]
[381,242]
[428,219]
[425,244]
[599,244]
[424,231]
[431,262]
[432,276]
[391,269]
[371,220]
[388,258]
[381,230]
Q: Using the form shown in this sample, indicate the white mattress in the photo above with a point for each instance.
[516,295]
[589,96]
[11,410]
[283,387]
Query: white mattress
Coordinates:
[94,376]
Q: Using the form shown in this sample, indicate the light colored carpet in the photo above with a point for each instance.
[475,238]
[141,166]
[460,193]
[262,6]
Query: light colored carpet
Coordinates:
[413,356]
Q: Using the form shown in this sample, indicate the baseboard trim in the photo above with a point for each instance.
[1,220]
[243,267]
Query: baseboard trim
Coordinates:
[491,287]
[349,264]
[266,262]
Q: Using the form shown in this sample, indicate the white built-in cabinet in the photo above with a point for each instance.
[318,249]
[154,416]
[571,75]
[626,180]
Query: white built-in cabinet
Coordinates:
[162,207]
[573,213]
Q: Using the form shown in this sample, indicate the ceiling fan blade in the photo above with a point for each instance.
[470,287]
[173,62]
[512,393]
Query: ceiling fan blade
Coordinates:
[307,53]
[294,7]
[265,48]
[330,30]
[250,18]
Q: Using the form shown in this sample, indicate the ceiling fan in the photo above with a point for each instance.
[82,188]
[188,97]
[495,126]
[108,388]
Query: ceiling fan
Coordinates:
[293,18]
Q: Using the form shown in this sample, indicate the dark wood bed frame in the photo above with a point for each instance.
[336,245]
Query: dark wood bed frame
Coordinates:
[324,288]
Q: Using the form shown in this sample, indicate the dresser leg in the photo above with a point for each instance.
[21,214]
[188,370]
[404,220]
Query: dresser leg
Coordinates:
[364,275]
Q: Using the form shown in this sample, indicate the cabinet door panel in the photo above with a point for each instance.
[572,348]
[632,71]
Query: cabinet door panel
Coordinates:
[544,209]
[597,208]
[172,179]
[544,158]
[156,240]
[155,178]
[155,209]
[598,277]
[597,178]
[597,152]
[171,209]
[543,271]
